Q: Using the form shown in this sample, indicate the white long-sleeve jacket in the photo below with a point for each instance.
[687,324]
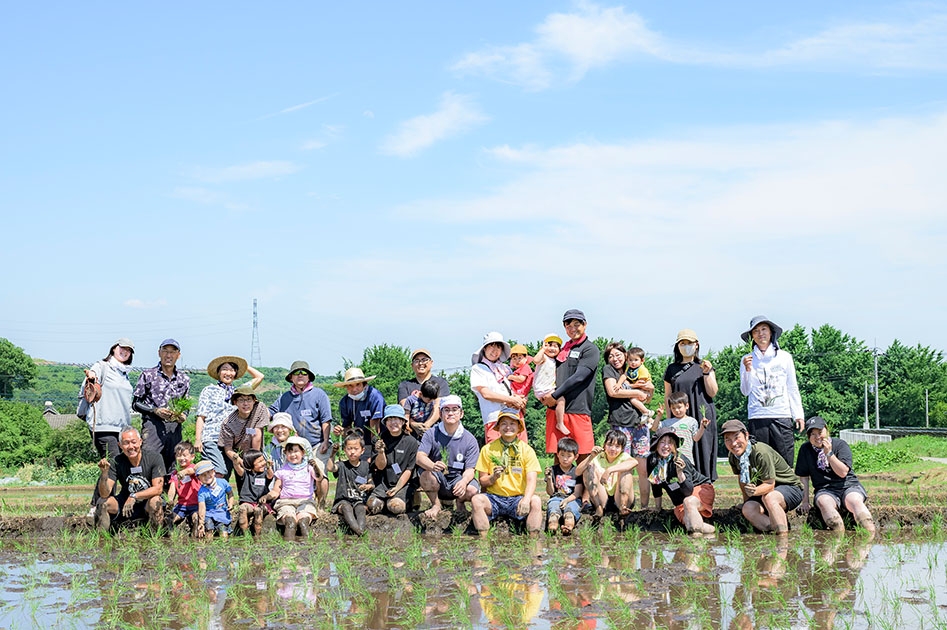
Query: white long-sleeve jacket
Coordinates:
[770,385]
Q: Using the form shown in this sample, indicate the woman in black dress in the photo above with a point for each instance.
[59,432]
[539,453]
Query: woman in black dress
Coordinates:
[696,378]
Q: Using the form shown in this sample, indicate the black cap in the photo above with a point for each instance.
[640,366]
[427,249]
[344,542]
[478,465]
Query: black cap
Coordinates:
[574,313]
[815,422]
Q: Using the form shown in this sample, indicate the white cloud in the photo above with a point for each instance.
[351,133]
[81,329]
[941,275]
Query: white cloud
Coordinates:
[368,113]
[244,172]
[298,107]
[207,197]
[568,45]
[310,145]
[329,133]
[457,114]
[144,304]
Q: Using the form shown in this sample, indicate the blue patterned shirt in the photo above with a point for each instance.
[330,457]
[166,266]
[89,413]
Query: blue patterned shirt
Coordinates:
[214,407]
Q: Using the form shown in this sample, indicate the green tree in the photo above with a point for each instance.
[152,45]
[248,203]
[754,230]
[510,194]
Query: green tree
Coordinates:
[904,373]
[24,434]
[389,364]
[71,444]
[17,370]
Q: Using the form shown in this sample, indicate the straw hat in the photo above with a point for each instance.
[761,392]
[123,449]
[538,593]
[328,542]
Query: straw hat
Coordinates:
[213,368]
[352,376]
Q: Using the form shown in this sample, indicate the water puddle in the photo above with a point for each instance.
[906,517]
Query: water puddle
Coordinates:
[597,579]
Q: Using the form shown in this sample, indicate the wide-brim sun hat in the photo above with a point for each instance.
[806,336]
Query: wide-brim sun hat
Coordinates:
[298,441]
[492,337]
[661,433]
[299,365]
[513,414]
[353,376]
[124,342]
[762,319]
[394,411]
[213,368]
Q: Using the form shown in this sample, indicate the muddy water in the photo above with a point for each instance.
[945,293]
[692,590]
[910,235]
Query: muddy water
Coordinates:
[597,579]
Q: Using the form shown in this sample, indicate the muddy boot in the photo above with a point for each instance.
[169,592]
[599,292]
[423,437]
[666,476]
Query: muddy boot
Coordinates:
[374,505]
[304,527]
[103,520]
[568,524]
[360,519]
[195,525]
[289,528]
[552,522]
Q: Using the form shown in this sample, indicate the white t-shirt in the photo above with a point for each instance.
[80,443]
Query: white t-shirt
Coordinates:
[482,376]
[544,378]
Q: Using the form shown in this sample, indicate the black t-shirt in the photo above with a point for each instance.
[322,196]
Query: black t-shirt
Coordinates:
[253,486]
[349,479]
[807,466]
[401,453]
[564,482]
[412,386]
[676,489]
[621,413]
[575,377]
[136,478]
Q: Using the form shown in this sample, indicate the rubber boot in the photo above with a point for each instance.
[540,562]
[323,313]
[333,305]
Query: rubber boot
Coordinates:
[289,528]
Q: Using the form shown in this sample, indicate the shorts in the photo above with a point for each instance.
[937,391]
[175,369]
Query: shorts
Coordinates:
[490,433]
[580,430]
[792,495]
[214,456]
[839,495]
[216,524]
[139,513]
[292,507]
[637,440]
[504,506]
[556,506]
[381,492]
[446,486]
[184,511]
[706,493]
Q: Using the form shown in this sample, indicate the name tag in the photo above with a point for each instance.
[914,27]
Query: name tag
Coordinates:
[458,465]
[516,470]
[136,469]
[674,486]
[306,413]
[249,431]
[395,467]
[574,354]
[360,480]
[365,413]
[185,479]
[259,482]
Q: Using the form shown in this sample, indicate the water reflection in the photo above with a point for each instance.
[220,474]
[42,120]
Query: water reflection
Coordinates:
[595,580]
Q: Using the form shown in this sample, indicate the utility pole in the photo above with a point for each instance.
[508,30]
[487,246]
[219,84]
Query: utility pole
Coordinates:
[866,406]
[877,412]
[255,360]
[927,410]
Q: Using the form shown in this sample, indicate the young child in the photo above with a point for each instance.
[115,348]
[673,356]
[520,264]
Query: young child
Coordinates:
[686,427]
[564,488]
[215,500]
[184,487]
[637,376]
[395,455]
[508,470]
[354,483]
[544,378]
[293,488]
[423,412]
[607,475]
[691,492]
[521,380]
[254,486]
[281,426]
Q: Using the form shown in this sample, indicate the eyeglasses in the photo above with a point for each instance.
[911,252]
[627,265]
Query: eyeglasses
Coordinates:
[420,361]
[299,372]
[447,410]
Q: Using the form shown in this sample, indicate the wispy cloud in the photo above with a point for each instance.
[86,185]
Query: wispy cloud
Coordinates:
[457,114]
[300,106]
[568,45]
[207,197]
[144,304]
[244,172]
[329,133]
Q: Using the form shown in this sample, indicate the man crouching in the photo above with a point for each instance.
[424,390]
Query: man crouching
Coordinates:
[140,475]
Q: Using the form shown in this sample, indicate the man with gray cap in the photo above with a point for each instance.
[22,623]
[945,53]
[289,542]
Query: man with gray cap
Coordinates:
[156,388]
[768,380]
[576,363]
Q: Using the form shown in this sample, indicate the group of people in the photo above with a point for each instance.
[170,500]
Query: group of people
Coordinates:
[384,457]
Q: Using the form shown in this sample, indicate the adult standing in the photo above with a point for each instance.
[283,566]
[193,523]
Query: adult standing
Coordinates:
[310,408]
[363,405]
[214,406]
[156,388]
[696,378]
[111,413]
[768,380]
[575,381]
[422,364]
[490,381]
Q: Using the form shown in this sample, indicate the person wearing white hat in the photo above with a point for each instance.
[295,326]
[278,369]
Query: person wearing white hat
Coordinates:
[363,405]
[768,380]
[490,381]
[447,458]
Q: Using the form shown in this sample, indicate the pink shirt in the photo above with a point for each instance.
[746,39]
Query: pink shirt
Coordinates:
[296,484]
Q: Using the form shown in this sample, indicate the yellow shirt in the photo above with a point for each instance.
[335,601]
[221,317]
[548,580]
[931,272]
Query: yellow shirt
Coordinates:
[519,458]
[601,461]
[643,375]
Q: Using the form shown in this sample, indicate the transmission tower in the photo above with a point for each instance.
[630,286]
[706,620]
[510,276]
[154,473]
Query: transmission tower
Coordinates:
[255,360]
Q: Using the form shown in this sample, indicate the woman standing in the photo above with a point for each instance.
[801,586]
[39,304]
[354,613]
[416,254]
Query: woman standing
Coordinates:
[696,378]
[214,406]
[768,380]
[490,381]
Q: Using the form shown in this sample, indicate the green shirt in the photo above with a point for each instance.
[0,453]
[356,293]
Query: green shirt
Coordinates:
[765,464]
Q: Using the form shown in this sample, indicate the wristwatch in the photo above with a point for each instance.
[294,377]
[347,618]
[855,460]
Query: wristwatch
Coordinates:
[132,495]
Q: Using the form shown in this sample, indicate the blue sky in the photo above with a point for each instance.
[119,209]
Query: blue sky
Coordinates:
[421,173]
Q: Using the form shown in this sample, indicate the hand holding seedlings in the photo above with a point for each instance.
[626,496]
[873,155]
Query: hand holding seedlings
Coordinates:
[750,489]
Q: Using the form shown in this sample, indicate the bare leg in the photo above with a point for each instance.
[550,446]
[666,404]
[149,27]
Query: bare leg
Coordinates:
[430,486]
[833,520]
[855,504]
[625,494]
[560,416]
[753,512]
[534,521]
[644,486]
[482,510]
